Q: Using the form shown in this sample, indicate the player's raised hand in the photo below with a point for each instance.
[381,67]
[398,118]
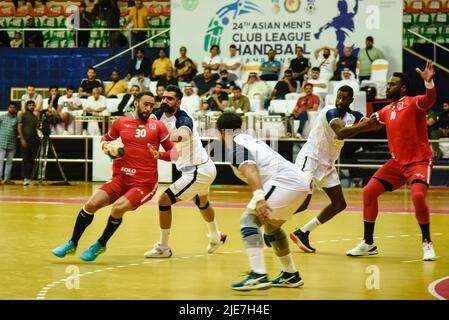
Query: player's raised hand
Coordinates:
[262,211]
[153,151]
[428,72]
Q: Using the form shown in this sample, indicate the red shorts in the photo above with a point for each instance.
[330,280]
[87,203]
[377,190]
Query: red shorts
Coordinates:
[396,175]
[119,186]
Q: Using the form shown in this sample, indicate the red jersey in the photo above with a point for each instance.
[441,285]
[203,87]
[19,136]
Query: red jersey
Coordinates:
[138,162]
[405,121]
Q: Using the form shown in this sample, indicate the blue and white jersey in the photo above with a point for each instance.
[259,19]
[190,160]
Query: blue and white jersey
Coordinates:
[322,143]
[273,168]
[191,153]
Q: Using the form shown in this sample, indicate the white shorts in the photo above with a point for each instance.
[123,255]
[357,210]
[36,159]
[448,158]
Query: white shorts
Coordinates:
[195,180]
[323,176]
[283,202]
[74,113]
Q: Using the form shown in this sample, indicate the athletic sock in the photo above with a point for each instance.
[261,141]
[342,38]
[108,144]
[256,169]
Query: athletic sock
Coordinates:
[256,260]
[213,229]
[83,220]
[287,263]
[368,232]
[165,234]
[425,229]
[113,224]
[311,225]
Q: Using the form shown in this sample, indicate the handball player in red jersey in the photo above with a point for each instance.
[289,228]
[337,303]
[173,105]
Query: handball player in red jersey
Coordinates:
[411,158]
[135,175]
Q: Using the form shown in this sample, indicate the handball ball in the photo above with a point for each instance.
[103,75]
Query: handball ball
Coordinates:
[116,149]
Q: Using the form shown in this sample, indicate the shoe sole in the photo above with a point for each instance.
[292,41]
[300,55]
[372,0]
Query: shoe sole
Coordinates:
[67,253]
[259,286]
[430,259]
[222,242]
[363,255]
[149,257]
[301,245]
[289,285]
[95,258]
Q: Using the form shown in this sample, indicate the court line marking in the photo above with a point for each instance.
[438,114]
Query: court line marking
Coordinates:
[431,288]
[43,292]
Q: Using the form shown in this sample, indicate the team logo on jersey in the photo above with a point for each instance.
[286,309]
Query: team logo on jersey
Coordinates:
[400,105]
[152,126]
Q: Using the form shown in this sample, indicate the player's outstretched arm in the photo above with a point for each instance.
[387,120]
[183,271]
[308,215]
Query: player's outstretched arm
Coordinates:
[344,132]
[425,102]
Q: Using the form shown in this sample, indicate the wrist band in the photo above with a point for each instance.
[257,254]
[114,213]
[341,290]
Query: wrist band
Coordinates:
[258,195]
[429,85]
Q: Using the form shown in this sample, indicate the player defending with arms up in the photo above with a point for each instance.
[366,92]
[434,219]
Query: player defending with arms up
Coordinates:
[198,173]
[411,158]
[278,188]
[135,175]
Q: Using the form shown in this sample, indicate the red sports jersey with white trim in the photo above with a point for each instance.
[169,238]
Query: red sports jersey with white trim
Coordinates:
[406,124]
[138,162]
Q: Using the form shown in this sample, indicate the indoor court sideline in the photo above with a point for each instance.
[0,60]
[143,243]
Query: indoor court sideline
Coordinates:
[42,217]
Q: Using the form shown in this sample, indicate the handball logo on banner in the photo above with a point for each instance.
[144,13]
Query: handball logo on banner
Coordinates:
[310,7]
[223,17]
[292,6]
[190,5]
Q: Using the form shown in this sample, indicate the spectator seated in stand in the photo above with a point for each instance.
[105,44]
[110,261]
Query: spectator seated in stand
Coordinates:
[88,84]
[139,63]
[69,107]
[95,106]
[299,65]
[141,81]
[347,61]
[255,88]
[168,79]
[441,131]
[226,81]
[116,86]
[212,61]
[232,64]
[205,81]
[160,66]
[271,68]
[320,85]
[326,59]
[239,102]
[305,103]
[217,99]
[160,88]
[126,104]
[190,101]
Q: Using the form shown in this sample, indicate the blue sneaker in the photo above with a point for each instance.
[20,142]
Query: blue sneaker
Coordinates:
[287,280]
[91,253]
[254,281]
[67,248]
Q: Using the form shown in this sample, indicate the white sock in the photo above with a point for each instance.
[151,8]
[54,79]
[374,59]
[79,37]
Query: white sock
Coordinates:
[311,225]
[287,263]
[213,229]
[165,233]
[256,260]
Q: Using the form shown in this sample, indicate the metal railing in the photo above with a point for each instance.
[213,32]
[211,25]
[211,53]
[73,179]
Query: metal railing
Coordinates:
[435,46]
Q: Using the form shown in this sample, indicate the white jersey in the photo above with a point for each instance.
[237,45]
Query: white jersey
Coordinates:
[190,153]
[322,143]
[273,168]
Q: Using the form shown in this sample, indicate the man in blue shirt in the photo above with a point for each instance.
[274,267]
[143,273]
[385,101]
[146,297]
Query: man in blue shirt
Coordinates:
[8,141]
[271,68]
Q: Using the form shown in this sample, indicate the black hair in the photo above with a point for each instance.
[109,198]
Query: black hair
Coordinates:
[369,38]
[143,93]
[405,80]
[316,69]
[92,68]
[30,102]
[176,90]
[12,103]
[53,86]
[70,88]
[233,46]
[308,84]
[237,88]
[346,89]
[229,120]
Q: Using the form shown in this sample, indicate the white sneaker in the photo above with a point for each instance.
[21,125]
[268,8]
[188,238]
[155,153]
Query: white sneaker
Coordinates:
[428,251]
[27,182]
[215,243]
[362,249]
[158,252]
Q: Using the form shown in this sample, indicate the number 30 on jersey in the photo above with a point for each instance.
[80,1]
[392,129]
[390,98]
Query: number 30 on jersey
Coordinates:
[141,133]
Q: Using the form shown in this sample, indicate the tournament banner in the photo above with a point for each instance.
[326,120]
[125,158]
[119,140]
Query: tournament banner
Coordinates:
[256,26]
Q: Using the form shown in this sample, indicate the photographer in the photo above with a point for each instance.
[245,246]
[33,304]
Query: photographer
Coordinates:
[29,140]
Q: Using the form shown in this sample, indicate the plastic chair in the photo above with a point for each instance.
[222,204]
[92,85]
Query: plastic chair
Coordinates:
[55,10]
[415,6]
[6,10]
[293,96]
[433,6]
[22,11]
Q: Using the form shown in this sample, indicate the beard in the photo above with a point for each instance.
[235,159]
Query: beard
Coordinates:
[143,115]
[166,108]
[393,95]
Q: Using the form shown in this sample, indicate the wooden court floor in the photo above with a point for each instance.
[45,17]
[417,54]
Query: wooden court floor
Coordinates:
[37,218]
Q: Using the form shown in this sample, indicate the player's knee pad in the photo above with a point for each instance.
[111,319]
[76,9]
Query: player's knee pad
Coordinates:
[198,203]
[171,195]
[249,228]
[277,239]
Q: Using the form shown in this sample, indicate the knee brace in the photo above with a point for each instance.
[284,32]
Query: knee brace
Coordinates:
[277,238]
[198,203]
[172,199]
[249,228]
